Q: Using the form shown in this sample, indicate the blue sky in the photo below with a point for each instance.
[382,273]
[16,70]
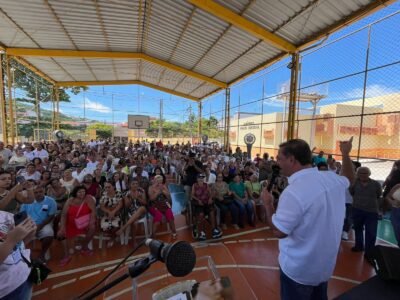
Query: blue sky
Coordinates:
[341,58]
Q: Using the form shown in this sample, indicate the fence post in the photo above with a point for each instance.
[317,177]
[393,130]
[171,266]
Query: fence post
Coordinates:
[227,118]
[200,112]
[364,92]
[293,94]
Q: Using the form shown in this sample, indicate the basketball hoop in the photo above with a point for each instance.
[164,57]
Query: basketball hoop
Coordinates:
[138,122]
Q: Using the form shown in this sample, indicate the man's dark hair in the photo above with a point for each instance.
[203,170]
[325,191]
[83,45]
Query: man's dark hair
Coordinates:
[299,149]
[2,171]
[356,164]
[321,165]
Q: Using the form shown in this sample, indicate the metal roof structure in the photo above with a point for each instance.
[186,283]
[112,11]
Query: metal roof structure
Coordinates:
[189,48]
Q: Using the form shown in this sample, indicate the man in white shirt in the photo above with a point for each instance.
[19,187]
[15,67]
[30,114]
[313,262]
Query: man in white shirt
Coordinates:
[29,153]
[79,173]
[139,170]
[92,144]
[308,220]
[5,155]
[40,152]
[92,164]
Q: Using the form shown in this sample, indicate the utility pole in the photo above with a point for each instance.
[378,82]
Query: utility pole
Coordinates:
[191,124]
[112,110]
[84,116]
[160,135]
[84,106]
[199,129]
[37,107]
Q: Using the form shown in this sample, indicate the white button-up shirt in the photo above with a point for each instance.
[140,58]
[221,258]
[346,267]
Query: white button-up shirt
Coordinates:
[41,154]
[311,212]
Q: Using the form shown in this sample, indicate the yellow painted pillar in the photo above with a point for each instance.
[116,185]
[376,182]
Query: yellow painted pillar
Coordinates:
[227,119]
[3,113]
[10,103]
[53,111]
[57,92]
[200,123]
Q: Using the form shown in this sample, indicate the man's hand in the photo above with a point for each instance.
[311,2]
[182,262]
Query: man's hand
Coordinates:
[346,146]
[209,290]
[267,197]
[347,166]
[18,188]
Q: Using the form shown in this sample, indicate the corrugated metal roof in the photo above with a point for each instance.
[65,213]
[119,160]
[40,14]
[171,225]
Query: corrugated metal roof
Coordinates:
[173,31]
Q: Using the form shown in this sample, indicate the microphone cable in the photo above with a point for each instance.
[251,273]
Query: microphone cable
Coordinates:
[113,270]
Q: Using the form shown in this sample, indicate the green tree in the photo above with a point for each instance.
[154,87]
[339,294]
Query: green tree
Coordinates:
[170,129]
[102,130]
[29,82]
[32,86]
[176,129]
[210,127]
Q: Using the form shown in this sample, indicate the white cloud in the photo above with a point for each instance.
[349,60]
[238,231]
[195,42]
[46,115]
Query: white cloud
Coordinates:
[96,106]
[273,101]
[373,90]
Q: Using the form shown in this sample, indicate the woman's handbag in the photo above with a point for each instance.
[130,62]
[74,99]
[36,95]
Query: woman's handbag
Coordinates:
[39,271]
[83,221]
[107,223]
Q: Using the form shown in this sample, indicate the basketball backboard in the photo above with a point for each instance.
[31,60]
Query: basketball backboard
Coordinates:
[138,122]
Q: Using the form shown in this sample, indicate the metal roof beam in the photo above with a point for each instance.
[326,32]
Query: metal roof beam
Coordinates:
[125,82]
[229,16]
[35,70]
[111,55]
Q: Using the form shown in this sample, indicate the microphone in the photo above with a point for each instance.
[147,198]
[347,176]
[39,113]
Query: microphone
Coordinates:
[178,257]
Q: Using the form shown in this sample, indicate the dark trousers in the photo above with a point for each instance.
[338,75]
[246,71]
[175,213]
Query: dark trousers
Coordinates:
[225,208]
[243,208]
[368,221]
[23,292]
[348,220]
[291,290]
[395,218]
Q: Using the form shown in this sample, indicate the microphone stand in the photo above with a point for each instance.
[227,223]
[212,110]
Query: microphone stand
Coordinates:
[134,270]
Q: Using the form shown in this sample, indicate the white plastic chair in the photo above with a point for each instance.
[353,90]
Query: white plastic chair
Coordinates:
[147,228]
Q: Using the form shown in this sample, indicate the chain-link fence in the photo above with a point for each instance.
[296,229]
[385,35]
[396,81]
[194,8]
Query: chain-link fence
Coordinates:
[348,86]
[33,104]
[100,112]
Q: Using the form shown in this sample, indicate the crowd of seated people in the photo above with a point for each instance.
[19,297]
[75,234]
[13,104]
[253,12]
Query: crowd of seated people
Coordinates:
[74,190]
